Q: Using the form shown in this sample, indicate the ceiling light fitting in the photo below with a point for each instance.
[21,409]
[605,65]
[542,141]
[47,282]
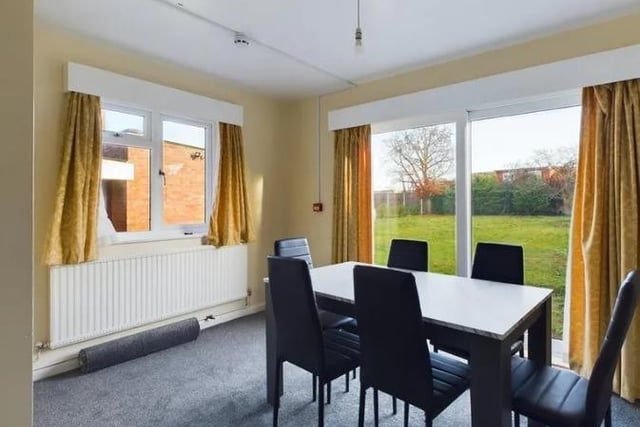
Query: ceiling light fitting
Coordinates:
[358,29]
[241,40]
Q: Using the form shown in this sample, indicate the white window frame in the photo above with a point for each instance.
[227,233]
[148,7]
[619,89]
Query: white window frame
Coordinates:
[137,141]
[211,173]
[463,205]
[462,176]
[128,138]
[153,139]
[569,100]
[555,101]
[463,120]
[130,95]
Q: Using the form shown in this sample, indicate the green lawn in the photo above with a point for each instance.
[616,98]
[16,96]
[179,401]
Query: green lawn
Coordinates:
[544,238]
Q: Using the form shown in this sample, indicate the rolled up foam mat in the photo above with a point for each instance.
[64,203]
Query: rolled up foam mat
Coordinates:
[170,335]
[110,353]
[123,349]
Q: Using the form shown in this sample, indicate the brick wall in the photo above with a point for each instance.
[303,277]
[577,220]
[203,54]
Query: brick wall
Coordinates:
[128,202]
[138,201]
[184,190]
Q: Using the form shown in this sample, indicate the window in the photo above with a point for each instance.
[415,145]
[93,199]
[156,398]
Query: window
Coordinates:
[143,124]
[523,176]
[414,191]
[511,180]
[126,186]
[156,175]
[184,167]
[119,121]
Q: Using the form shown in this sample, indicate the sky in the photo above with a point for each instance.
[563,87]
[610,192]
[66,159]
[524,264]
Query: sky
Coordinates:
[498,143]
[182,133]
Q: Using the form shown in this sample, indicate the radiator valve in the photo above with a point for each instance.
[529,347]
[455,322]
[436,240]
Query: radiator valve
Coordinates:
[41,346]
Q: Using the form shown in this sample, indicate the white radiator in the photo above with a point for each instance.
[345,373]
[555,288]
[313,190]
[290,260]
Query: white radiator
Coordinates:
[98,298]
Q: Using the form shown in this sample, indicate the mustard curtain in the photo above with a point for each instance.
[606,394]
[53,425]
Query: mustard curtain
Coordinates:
[352,195]
[605,233]
[231,222]
[72,238]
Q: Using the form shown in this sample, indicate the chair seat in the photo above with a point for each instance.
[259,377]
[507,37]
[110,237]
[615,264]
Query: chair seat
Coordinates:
[450,380]
[350,326]
[342,352]
[521,370]
[329,320]
[553,396]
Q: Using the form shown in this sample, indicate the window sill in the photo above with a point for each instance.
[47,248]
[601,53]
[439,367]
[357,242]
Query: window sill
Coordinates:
[132,238]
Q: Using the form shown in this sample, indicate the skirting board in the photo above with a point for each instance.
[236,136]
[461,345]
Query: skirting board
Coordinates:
[55,366]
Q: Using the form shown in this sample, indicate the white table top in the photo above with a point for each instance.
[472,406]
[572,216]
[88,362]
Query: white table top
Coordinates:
[486,308]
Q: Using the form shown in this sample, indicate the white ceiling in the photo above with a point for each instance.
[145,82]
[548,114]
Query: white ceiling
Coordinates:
[306,47]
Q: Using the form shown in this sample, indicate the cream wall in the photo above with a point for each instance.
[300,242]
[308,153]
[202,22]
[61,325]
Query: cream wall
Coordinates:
[16,215]
[302,140]
[263,128]
[281,146]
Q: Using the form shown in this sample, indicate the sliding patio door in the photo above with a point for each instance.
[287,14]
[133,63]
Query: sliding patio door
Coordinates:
[414,191]
[522,180]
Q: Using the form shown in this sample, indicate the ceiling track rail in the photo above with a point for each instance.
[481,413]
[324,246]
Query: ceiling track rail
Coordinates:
[179,6]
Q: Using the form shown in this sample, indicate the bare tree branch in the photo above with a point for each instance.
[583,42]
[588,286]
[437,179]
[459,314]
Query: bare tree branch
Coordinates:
[421,156]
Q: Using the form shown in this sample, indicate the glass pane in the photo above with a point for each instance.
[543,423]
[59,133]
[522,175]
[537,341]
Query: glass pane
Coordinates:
[122,123]
[125,185]
[414,192]
[523,175]
[185,173]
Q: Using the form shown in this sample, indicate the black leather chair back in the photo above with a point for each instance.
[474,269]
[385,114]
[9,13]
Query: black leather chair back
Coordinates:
[409,255]
[394,354]
[295,247]
[601,381]
[298,331]
[499,263]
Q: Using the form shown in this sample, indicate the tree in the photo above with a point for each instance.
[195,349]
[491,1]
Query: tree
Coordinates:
[489,196]
[421,158]
[532,196]
[561,164]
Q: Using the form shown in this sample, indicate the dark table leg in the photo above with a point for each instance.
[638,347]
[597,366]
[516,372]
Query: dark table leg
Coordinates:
[539,342]
[490,382]
[540,336]
[271,349]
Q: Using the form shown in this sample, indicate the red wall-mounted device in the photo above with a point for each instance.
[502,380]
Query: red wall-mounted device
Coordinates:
[317,207]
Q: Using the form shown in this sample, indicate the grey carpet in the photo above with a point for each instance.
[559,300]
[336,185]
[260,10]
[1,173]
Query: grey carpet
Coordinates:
[217,380]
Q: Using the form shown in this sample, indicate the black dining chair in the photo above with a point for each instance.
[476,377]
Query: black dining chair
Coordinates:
[499,262]
[559,397]
[300,339]
[409,255]
[294,247]
[394,353]
[298,247]
[404,254]
[496,262]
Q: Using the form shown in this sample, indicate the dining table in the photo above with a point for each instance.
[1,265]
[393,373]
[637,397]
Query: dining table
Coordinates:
[487,317]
